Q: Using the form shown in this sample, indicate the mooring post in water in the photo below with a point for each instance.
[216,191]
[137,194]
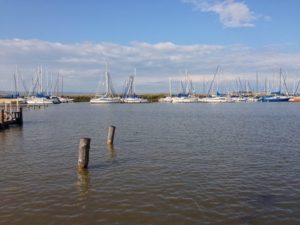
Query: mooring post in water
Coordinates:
[20,116]
[84,151]
[2,116]
[111,135]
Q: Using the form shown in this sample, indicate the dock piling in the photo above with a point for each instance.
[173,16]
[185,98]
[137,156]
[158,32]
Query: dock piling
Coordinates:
[20,119]
[2,116]
[84,151]
[111,135]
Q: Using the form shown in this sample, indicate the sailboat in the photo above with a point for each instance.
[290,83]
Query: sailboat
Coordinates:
[37,95]
[168,99]
[109,96]
[218,97]
[129,95]
[276,96]
[187,92]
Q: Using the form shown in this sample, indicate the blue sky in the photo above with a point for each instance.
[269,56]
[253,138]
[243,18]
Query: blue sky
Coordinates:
[153,36]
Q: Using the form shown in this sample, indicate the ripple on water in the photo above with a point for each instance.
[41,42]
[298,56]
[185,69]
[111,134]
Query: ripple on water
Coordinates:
[171,164]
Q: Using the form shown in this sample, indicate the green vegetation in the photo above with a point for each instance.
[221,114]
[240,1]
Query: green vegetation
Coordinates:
[153,97]
[87,98]
[81,98]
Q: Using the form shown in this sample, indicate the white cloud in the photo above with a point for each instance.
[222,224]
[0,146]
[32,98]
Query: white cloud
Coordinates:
[231,13]
[83,64]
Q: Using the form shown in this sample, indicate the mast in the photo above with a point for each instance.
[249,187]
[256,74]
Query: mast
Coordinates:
[203,85]
[133,81]
[256,85]
[266,85]
[212,82]
[107,83]
[187,88]
[47,77]
[17,79]
[296,90]
[62,85]
[170,87]
[41,74]
[280,74]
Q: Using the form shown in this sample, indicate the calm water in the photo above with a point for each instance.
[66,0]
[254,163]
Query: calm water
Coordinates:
[171,164]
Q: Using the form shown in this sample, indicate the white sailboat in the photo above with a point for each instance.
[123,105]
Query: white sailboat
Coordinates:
[38,96]
[109,96]
[167,99]
[187,92]
[218,98]
[129,95]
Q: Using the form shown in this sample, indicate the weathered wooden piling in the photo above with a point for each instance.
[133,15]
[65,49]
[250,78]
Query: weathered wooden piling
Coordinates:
[84,151]
[111,135]
[2,116]
[20,119]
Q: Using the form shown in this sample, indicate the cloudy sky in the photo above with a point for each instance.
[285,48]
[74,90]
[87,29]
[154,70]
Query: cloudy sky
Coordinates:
[161,39]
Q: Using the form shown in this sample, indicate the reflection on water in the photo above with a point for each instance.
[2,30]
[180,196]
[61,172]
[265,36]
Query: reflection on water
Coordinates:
[83,181]
[111,151]
[170,164]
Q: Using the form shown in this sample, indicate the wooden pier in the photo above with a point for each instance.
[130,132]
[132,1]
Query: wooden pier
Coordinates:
[10,115]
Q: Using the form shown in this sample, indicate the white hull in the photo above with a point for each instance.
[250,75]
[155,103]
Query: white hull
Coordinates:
[65,100]
[239,99]
[216,100]
[185,100]
[105,100]
[166,100]
[134,100]
[39,101]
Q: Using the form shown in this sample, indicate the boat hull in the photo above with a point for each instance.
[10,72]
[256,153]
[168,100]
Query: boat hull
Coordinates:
[134,100]
[105,100]
[216,100]
[275,99]
[39,101]
[185,100]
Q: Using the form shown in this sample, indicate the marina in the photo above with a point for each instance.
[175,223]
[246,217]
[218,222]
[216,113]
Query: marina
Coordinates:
[202,164]
[177,112]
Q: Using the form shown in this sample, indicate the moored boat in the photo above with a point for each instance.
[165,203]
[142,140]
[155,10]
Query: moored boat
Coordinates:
[35,100]
[183,98]
[274,99]
[129,95]
[109,96]
[216,99]
[105,100]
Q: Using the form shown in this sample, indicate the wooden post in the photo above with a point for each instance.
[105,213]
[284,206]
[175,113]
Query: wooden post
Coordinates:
[2,116]
[111,135]
[84,151]
[20,119]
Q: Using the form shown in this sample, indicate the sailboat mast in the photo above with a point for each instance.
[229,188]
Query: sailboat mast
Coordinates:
[62,85]
[47,80]
[213,80]
[280,74]
[106,79]
[170,87]
[133,81]
[256,83]
[41,74]
[17,79]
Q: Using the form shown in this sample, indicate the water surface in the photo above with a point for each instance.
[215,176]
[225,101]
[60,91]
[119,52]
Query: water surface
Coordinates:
[171,164]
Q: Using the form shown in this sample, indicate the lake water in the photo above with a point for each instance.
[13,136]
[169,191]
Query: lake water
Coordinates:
[171,164]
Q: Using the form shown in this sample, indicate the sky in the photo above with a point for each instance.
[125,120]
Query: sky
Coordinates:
[161,39]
